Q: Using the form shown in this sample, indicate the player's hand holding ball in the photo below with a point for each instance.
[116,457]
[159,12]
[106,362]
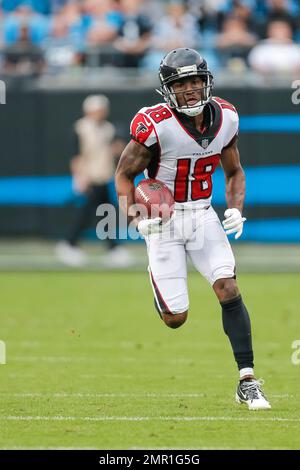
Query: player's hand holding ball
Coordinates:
[149,226]
[233,222]
[158,201]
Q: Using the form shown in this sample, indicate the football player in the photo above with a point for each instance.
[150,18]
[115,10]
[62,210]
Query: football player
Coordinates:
[181,141]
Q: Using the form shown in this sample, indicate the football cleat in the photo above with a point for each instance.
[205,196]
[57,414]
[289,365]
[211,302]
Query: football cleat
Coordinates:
[249,391]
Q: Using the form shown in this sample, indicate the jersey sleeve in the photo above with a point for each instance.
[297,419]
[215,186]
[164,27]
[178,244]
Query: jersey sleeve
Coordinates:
[232,128]
[142,130]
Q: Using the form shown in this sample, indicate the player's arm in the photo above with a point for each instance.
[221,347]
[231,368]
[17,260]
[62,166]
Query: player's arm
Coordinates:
[134,160]
[234,176]
[235,189]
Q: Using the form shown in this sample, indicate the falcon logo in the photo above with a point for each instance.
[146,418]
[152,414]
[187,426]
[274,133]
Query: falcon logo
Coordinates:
[141,127]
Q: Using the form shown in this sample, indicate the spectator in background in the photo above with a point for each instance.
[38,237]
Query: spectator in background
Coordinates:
[62,46]
[23,58]
[288,10]
[234,42]
[104,21]
[92,168]
[278,53]
[206,12]
[134,34]
[177,28]
[242,9]
[38,25]
[281,9]
[269,10]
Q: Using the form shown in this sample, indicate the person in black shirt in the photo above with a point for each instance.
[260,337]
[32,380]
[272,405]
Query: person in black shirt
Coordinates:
[23,57]
[134,35]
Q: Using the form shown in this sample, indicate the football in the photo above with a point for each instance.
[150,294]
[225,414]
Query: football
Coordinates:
[156,197]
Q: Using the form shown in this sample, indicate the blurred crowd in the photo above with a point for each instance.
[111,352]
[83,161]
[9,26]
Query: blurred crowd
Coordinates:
[48,36]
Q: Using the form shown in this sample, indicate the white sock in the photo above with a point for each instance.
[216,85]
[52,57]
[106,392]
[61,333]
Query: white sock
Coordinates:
[246,371]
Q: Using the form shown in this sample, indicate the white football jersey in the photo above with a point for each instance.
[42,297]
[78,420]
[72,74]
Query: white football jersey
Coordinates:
[182,157]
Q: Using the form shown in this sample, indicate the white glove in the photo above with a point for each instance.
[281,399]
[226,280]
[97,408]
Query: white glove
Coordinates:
[233,222]
[149,226]
[156,225]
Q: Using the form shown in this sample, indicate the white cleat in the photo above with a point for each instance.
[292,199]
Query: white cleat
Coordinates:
[249,392]
[70,255]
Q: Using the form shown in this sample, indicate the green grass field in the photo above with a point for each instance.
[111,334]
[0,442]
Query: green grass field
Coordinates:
[91,365]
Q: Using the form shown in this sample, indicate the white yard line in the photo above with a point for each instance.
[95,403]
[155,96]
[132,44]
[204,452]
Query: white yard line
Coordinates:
[85,395]
[148,418]
[100,395]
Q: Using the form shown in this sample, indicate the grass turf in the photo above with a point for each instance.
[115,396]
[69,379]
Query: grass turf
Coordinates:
[91,365]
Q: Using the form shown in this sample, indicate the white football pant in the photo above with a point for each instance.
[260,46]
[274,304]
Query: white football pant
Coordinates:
[198,233]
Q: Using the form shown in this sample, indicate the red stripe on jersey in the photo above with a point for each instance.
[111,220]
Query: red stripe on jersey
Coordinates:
[225,104]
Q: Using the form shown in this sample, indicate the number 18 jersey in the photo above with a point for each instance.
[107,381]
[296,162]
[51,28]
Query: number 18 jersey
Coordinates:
[183,157]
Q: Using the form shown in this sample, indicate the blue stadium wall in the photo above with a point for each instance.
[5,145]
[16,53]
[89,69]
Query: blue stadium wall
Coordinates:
[35,187]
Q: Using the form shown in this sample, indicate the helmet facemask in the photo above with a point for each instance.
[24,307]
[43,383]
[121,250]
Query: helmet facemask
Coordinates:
[170,96]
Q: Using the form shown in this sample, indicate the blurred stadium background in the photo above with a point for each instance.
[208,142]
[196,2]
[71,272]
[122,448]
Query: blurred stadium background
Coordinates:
[54,53]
